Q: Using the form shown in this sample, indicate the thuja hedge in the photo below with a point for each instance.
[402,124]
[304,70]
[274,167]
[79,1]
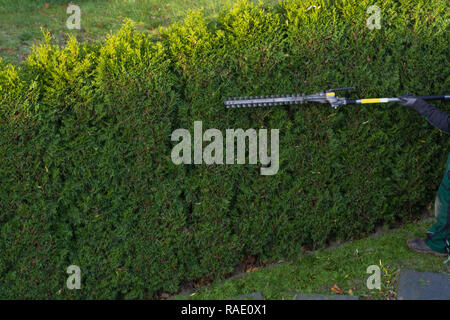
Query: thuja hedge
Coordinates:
[86,175]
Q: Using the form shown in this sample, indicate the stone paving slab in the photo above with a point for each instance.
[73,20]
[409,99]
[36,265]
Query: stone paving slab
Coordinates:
[313,296]
[423,286]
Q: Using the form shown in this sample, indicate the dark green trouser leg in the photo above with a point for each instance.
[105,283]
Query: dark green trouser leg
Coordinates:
[438,235]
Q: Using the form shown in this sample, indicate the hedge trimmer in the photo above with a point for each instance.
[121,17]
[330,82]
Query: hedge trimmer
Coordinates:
[327,96]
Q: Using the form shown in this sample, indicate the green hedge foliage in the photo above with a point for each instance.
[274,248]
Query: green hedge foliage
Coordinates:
[86,175]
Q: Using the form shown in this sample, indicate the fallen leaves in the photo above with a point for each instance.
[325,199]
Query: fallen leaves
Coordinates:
[336,289]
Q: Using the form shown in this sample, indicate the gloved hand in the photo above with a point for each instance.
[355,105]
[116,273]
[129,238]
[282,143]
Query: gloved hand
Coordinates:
[407,100]
[415,103]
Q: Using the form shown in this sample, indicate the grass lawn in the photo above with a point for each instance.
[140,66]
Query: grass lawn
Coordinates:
[21,20]
[341,268]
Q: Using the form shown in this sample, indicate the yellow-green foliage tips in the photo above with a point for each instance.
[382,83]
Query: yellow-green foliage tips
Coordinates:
[86,172]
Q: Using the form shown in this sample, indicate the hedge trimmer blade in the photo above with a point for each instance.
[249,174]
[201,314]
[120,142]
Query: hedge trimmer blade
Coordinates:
[327,96]
[264,101]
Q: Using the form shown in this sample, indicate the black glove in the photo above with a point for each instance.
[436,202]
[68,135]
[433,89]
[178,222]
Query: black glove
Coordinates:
[415,103]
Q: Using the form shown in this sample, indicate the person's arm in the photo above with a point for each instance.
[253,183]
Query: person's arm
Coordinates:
[436,117]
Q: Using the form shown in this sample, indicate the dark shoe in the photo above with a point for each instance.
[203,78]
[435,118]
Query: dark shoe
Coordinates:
[420,245]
